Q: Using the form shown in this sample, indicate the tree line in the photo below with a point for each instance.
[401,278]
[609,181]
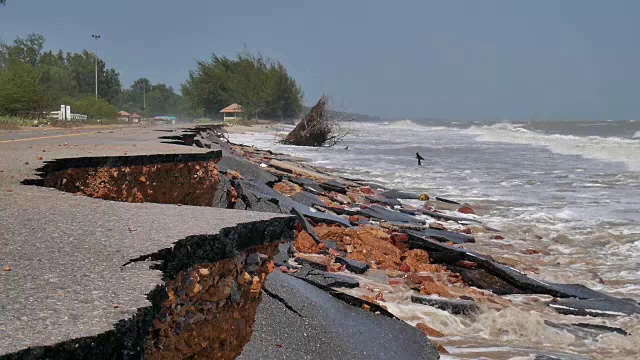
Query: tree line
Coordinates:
[150,100]
[34,81]
[262,87]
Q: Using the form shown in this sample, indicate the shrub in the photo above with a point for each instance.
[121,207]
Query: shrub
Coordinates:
[95,109]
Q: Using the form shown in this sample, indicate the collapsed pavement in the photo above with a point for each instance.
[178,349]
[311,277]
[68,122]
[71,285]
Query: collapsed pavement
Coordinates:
[156,271]
[129,278]
[460,281]
[342,227]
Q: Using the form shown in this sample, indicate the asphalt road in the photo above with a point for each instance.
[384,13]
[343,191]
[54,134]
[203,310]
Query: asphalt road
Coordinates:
[65,253]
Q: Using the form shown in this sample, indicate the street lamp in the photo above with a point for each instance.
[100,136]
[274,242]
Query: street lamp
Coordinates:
[95,36]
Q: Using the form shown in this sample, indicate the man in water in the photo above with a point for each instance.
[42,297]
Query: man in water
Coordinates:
[420,158]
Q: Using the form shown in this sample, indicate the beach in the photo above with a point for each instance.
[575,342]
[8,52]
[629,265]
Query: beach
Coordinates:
[565,206]
[462,255]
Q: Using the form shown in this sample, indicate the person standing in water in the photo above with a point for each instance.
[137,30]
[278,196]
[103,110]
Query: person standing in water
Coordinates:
[420,158]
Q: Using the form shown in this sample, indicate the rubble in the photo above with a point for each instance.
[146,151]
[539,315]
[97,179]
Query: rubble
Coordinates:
[354,266]
[369,245]
[304,243]
[362,227]
[445,236]
[457,307]
[605,306]
[428,331]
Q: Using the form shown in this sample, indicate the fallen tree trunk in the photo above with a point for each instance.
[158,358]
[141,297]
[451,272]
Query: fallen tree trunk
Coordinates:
[315,129]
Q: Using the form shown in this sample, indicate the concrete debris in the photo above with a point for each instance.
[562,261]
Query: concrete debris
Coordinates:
[344,237]
[457,307]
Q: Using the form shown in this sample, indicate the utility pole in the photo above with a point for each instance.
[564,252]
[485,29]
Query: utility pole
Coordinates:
[95,36]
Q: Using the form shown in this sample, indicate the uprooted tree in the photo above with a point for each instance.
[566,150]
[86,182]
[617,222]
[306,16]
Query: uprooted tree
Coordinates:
[320,127]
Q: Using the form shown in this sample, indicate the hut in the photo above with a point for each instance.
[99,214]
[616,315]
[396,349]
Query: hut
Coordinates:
[124,116]
[232,113]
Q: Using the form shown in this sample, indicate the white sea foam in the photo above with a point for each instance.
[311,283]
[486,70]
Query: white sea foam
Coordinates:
[569,225]
[408,124]
[636,135]
[593,147]
[403,124]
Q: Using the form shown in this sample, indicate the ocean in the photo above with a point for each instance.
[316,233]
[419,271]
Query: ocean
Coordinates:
[569,191]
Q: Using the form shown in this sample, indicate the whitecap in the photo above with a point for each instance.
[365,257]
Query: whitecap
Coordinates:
[614,149]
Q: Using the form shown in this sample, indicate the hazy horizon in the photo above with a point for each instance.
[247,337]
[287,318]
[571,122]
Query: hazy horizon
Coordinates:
[542,60]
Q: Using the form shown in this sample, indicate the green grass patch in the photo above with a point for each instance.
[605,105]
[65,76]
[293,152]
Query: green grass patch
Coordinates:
[15,122]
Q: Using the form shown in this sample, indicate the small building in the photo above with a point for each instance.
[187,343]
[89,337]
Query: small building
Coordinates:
[232,113]
[124,116]
[136,118]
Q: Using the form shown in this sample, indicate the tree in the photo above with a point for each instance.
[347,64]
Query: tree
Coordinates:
[19,88]
[56,84]
[318,128]
[161,100]
[248,82]
[109,85]
[82,67]
[140,86]
[57,76]
[283,94]
[96,109]
[133,98]
[208,87]
[56,79]
[27,50]
[262,86]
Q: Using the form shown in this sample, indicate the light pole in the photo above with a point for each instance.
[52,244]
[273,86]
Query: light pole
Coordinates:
[95,36]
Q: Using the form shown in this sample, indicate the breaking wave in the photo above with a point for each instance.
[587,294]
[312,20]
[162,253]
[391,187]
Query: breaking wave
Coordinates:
[403,124]
[408,124]
[615,149]
[636,135]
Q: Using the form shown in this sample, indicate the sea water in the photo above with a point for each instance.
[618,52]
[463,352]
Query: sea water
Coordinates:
[568,190]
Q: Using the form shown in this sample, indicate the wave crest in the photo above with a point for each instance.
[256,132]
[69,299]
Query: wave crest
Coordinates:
[403,124]
[409,124]
[615,149]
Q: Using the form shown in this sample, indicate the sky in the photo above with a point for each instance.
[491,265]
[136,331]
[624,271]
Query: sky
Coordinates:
[488,59]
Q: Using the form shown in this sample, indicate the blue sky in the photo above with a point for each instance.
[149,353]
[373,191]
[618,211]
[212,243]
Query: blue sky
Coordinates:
[475,59]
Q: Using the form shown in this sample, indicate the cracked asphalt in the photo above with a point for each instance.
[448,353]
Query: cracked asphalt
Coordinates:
[65,252]
[322,327]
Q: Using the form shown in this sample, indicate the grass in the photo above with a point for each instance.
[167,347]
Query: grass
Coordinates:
[15,122]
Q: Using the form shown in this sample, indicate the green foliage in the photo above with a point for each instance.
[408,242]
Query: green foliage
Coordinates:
[26,50]
[160,99]
[95,109]
[82,67]
[260,85]
[19,88]
[15,122]
[36,81]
